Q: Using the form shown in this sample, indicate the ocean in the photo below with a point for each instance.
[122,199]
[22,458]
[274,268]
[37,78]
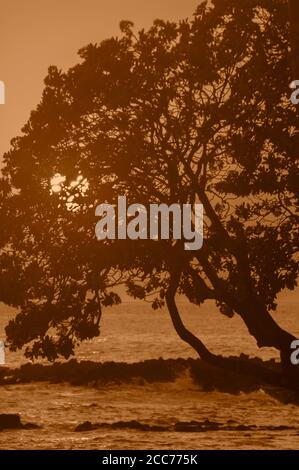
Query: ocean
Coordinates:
[177,413]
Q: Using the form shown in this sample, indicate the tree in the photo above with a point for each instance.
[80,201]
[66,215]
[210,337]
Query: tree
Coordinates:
[294,22]
[196,111]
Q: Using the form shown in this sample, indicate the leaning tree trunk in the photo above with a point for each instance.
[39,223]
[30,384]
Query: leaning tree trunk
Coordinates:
[268,333]
[260,325]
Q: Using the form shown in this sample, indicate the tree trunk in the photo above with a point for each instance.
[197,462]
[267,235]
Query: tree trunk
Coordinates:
[186,335]
[261,326]
[234,365]
[268,333]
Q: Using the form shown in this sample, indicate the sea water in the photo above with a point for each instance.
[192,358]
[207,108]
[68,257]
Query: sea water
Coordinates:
[133,332]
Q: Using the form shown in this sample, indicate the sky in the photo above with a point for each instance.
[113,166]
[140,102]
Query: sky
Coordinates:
[35,34]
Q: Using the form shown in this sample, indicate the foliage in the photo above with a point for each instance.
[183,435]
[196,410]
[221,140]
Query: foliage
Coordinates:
[195,111]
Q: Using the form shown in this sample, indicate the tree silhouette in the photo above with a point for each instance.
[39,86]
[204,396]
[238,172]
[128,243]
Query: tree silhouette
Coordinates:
[294,22]
[196,111]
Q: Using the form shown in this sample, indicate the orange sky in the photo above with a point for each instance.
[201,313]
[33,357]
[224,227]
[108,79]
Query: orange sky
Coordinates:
[37,33]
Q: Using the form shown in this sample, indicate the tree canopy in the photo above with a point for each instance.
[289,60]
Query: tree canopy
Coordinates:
[194,111]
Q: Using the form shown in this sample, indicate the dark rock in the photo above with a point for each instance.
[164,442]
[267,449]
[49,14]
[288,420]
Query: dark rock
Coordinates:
[197,426]
[10,421]
[13,421]
[130,425]
[136,425]
[86,426]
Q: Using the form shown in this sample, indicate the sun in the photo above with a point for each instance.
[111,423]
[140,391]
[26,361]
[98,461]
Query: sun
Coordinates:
[57,182]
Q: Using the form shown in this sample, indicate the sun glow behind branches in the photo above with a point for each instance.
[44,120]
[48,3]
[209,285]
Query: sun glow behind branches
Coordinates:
[57,182]
[69,192]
